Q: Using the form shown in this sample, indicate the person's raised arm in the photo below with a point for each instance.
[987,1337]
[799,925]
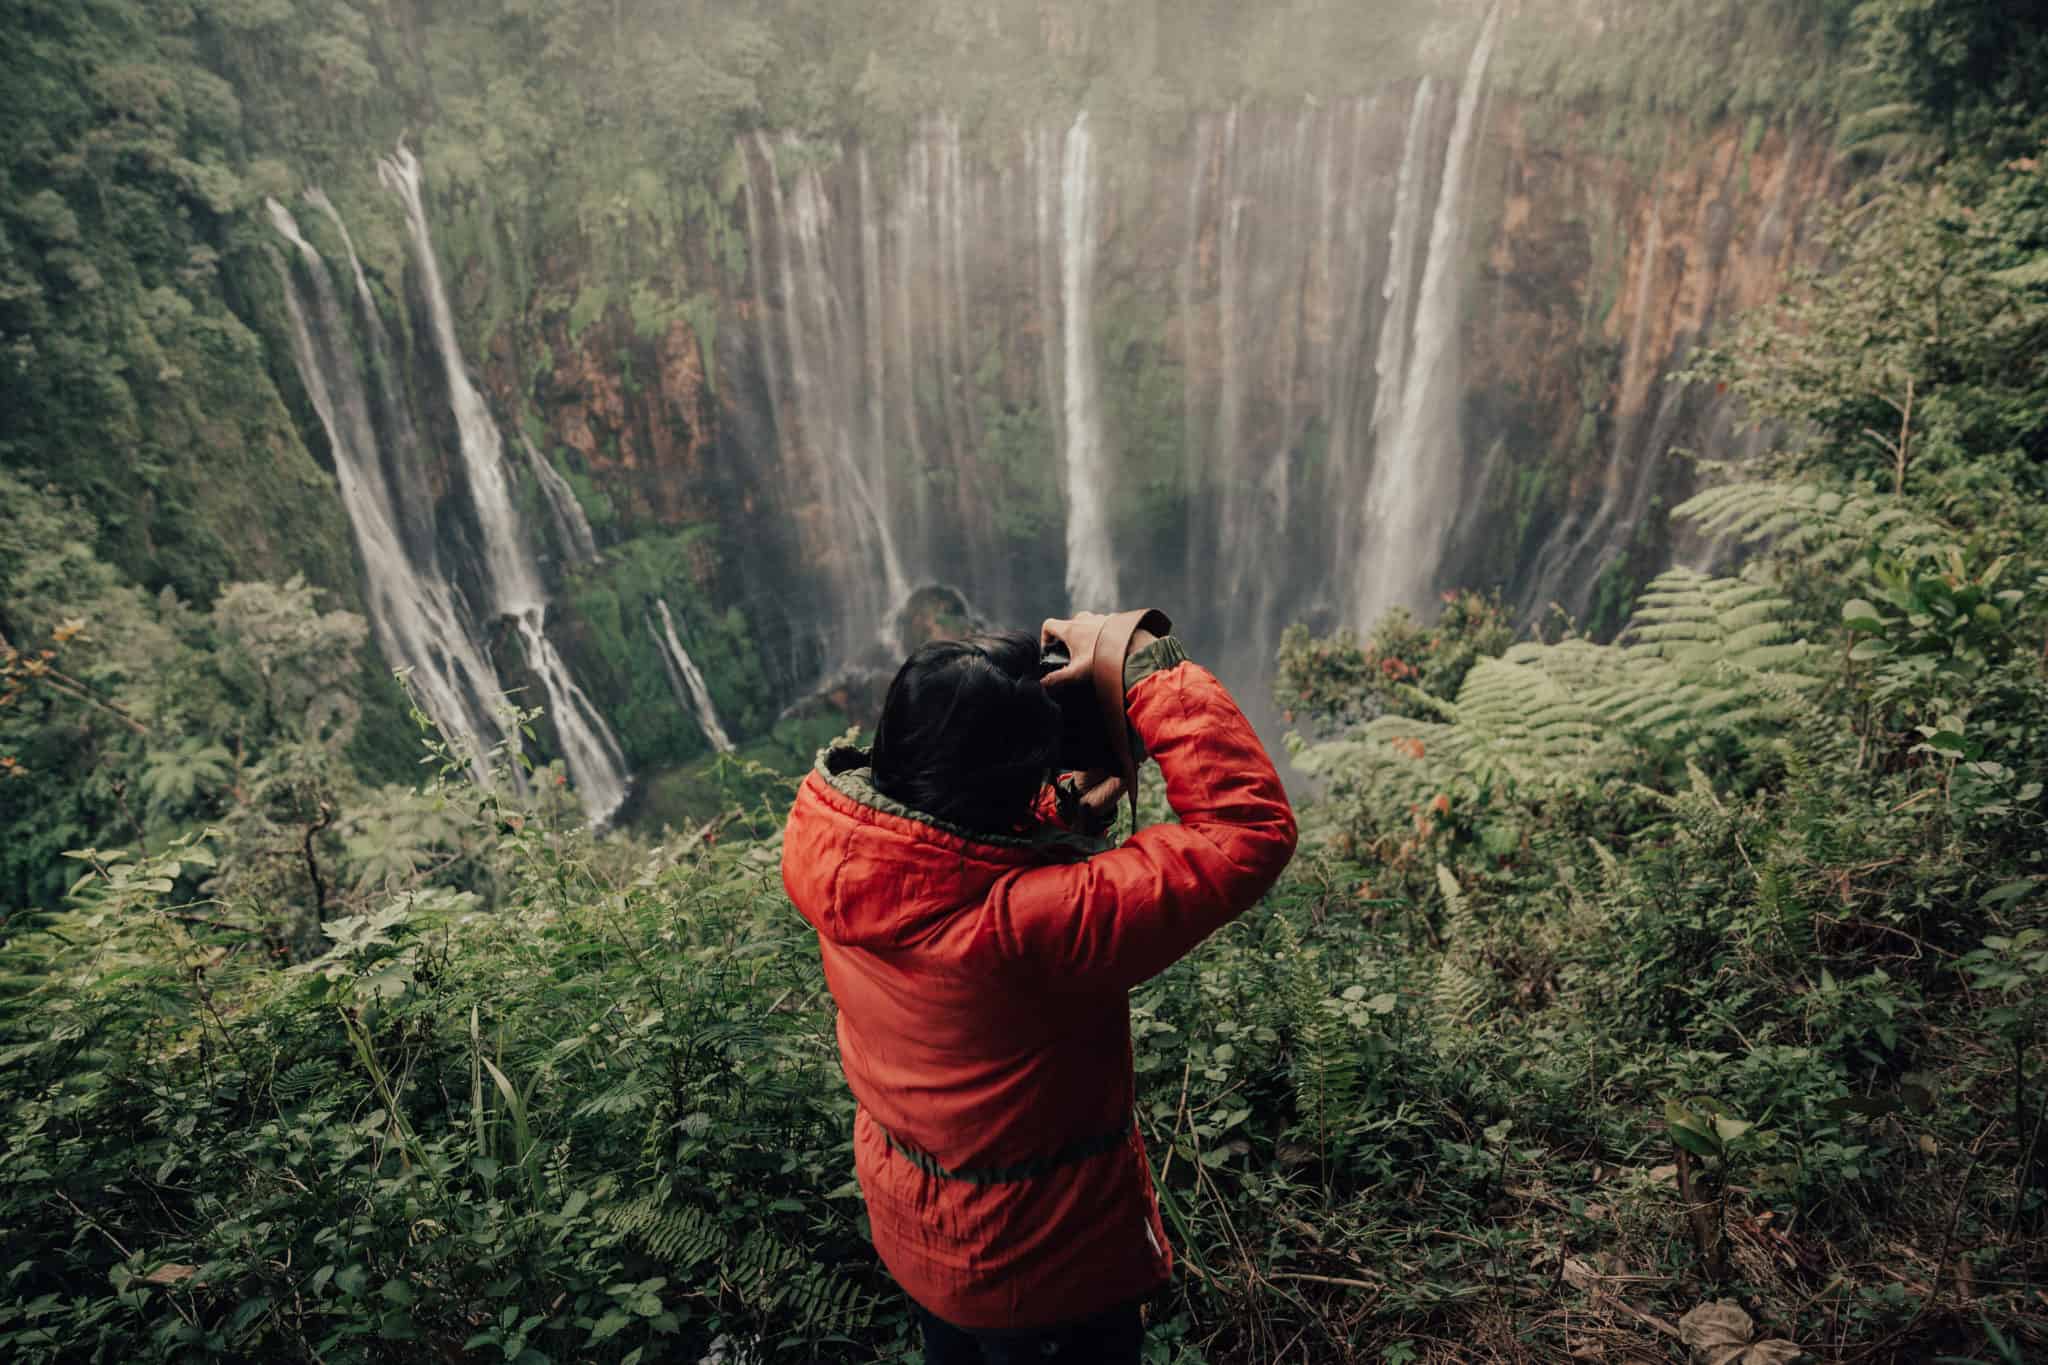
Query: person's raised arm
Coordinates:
[1126,915]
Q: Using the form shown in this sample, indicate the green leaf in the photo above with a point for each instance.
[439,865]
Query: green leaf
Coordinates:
[615,1321]
[2008,892]
[1858,614]
[1728,1129]
[1690,1131]
[1866,650]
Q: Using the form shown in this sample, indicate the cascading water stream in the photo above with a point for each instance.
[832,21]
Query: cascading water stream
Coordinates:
[830,421]
[686,680]
[1091,563]
[572,528]
[1405,238]
[1415,467]
[511,578]
[420,620]
[404,463]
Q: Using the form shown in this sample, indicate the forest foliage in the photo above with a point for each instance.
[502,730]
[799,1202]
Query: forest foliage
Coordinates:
[1703,966]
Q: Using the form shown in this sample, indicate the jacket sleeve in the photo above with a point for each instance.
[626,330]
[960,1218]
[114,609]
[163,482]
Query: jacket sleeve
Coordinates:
[1123,916]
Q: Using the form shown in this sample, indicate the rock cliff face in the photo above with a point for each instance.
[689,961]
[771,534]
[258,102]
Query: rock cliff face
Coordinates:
[937,359]
[1605,277]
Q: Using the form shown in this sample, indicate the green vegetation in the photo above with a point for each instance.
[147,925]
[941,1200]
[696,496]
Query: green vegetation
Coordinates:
[1705,967]
[1617,984]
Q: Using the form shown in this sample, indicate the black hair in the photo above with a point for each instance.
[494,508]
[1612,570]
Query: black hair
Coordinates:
[967,734]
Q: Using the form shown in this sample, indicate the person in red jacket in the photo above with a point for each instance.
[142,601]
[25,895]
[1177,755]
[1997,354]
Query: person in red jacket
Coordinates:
[981,954]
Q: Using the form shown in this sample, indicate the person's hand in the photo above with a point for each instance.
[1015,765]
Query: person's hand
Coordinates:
[1088,800]
[1079,634]
[1100,791]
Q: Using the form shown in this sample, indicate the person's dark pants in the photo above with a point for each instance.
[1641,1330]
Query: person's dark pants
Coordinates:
[1112,1338]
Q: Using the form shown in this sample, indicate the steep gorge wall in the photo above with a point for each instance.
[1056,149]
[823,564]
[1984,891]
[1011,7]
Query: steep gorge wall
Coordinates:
[1239,292]
[1601,278]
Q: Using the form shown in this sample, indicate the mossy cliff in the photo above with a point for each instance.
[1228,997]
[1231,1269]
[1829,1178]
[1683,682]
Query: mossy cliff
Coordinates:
[621,198]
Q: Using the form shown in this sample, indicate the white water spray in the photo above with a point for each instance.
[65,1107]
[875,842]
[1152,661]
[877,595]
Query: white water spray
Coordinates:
[1404,241]
[1415,471]
[830,422]
[1091,565]
[686,680]
[511,578]
[419,618]
[572,528]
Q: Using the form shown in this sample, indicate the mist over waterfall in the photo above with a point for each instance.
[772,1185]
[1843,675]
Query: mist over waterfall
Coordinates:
[931,330]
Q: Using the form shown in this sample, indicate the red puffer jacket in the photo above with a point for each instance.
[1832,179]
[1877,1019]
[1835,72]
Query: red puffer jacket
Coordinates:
[983,1019]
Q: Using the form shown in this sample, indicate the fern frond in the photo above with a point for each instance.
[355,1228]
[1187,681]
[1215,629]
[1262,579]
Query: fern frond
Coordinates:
[681,1237]
[1455,998]
[1818,525]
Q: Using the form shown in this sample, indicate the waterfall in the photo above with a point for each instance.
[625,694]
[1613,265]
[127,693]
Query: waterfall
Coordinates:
[1039,158]
[510,575]
[1350,291]
[405,464]
[1190,269]
[876,386]
[687,681]
[1390,360]
[420,620]
[1091,563]
[974,348]
[831,421]
[572,528]
[1415,467]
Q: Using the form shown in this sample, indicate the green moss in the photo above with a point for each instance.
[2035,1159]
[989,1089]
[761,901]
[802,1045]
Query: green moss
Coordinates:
[1017,442]
[651,310]
[757,782]
[590,305]
[701,311]
[612,607]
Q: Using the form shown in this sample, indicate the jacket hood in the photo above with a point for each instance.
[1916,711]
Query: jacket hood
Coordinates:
[870,872]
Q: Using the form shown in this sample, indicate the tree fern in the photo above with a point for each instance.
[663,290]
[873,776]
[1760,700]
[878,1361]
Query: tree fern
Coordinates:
[1701,655]
[772,1277]
[1702,658]
[1818,526]
[676,1235]
[174,779]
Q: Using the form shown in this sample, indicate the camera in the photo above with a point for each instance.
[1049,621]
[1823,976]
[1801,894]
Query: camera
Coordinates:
[1084,737]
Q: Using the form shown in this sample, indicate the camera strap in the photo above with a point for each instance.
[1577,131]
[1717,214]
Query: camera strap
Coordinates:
[1112,646]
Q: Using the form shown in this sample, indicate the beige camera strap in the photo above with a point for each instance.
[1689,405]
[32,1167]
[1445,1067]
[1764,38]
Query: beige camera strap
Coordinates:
[1112,646]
